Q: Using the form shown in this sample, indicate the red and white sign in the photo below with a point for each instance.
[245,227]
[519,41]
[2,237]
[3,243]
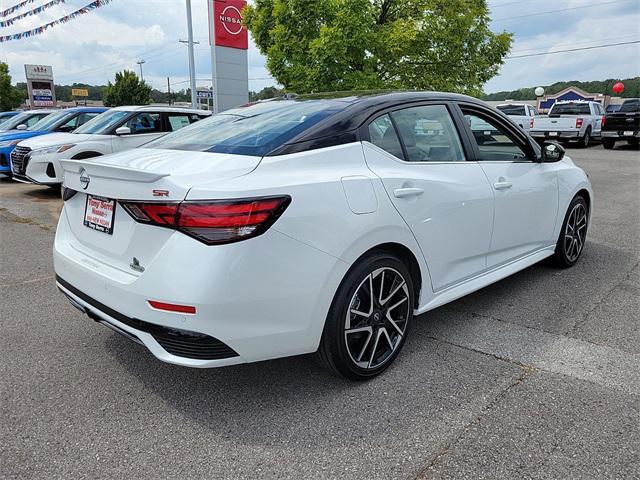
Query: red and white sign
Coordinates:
[227,24]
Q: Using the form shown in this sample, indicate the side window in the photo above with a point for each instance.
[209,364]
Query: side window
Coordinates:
[70,125]
[534,111]
[383,134]
[194,117]
[428,134]
[494,143]
[145,122]
[177,121]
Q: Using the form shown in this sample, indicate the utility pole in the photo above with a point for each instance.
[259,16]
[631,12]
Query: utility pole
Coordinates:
[212,41]
[169,90]
[140,62]
[192,62]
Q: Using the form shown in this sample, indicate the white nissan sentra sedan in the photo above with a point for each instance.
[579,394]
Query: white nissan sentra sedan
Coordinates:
[312,225]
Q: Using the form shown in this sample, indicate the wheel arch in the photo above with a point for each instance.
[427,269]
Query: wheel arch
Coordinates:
[408,258]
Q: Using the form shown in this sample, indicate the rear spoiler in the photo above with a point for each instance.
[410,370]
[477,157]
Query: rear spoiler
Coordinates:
[113,172]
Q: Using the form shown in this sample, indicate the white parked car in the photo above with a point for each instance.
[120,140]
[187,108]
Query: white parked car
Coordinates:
[570,121]
[521,113]
[324,225]
[37,160]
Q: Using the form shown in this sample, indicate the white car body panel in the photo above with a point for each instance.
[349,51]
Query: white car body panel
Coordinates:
[269,296]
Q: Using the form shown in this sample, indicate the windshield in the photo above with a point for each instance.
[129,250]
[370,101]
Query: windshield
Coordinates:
[13,122]
[51,121]
[512,109]
[570,109]
[254,130]
[103,123]
[630,106]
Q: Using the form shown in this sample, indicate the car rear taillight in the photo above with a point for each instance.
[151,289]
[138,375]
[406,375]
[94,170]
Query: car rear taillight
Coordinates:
[603,120]
[579,122]
[531,123]
[212,222]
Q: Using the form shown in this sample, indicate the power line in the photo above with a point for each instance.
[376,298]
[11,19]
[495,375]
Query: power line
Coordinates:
[519,51]
[572,50]
[558,11]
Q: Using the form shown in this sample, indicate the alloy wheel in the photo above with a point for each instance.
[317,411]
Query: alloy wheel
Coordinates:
[377,318]
[575,232]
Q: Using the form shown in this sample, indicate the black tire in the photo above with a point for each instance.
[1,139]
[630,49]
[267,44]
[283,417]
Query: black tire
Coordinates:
[586,139]
[634,142]
[608,143]
[565,255]
[335,352]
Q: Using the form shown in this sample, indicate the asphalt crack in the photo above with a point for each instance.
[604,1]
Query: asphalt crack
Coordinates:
[526,370]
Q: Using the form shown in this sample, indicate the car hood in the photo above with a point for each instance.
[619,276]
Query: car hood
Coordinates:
[17,134]
[52,139]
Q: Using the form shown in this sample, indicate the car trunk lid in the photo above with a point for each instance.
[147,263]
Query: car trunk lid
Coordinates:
[158,176]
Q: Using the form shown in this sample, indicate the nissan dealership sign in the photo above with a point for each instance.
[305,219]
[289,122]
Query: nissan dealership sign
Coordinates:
[227,24]
[229,41]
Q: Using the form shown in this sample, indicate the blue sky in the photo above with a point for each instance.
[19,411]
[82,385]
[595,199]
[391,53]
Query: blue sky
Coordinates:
[91,48]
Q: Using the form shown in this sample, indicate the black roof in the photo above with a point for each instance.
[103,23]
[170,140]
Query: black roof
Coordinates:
[342,126]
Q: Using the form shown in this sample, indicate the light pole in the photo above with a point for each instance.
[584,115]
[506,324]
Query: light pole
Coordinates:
[192,62]
[140,62]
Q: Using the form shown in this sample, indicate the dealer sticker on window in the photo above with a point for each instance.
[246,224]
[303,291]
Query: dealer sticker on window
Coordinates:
[99,214]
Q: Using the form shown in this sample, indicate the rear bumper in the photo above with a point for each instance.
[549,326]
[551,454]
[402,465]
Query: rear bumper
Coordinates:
[620,134]
[263,298]
[549,134]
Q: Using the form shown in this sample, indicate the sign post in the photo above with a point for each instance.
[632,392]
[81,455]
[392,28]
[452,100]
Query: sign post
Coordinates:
[229,42]
[40,87]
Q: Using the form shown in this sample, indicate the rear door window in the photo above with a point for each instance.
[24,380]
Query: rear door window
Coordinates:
[383,134]
[178,121]
[428,134]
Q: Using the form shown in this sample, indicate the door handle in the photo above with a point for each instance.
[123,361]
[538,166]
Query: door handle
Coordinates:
[502,185]
[407,192]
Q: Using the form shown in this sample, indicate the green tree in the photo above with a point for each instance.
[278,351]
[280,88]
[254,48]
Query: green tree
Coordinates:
[323,45]
[10,97]
[128,89]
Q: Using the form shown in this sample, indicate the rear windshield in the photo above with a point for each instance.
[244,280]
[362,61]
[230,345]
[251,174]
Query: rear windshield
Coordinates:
[630,106]
[512,109]
[570,109]
[255,130]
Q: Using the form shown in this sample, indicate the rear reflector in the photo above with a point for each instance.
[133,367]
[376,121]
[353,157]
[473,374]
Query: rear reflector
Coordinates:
[170,307]
[212,222]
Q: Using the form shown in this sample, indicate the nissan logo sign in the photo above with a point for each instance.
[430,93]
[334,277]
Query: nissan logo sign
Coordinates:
[231,20]
[84,179]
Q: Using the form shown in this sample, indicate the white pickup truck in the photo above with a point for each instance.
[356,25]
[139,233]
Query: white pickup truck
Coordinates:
[521,113]
[570,121]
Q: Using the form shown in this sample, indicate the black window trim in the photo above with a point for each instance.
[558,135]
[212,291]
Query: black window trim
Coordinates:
[515,133]
[448,104]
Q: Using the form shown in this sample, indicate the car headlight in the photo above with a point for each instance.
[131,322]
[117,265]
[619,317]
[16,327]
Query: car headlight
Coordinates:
[10,143]
[55,149]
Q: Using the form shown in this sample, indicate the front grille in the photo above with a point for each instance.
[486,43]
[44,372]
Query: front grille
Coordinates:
[182,343]
[20,159]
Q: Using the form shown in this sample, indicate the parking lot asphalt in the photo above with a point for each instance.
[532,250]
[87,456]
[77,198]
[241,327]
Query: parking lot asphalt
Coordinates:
[537,376]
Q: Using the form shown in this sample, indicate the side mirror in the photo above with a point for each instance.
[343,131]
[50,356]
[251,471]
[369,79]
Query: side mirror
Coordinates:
[22,126]
[552,152]
[123,130]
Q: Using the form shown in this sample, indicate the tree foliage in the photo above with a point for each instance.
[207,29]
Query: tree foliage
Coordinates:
[631,89]
[325,45]
[10,97]
[128,89]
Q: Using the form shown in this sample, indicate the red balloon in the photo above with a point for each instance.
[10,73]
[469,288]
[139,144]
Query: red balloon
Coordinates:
[618,88]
